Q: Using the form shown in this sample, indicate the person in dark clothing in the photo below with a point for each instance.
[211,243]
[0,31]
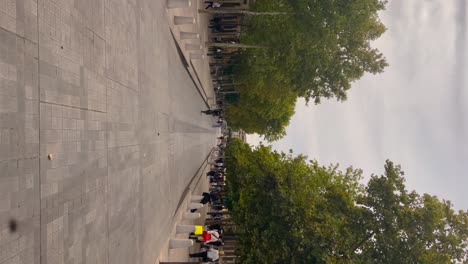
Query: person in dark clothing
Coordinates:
[208,198]
[219,165]
[216,20]
[211,173]
[215,189]
[218,243]
[214,112]
[209,255]
[217,178]
[217,207]
[216,27]
[216,227]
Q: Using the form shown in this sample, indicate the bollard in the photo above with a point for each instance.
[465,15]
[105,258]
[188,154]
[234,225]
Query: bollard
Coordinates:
[178,3]
[193,46]
[195,205]
[185,229]
[191,216]
[196,56]
[197,198]
[180,243]
[199,51]
[182,20]
[189,35]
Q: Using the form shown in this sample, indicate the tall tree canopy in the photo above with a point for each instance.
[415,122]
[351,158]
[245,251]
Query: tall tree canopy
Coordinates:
[313,49]
[292,210]
[267,113]
[317,48]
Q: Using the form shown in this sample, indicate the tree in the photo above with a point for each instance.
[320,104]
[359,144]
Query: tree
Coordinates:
[316,50]
[267,115]
[409,228]
[292,210]
[321,48]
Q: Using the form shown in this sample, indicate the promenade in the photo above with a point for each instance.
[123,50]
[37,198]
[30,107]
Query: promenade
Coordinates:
[100,129]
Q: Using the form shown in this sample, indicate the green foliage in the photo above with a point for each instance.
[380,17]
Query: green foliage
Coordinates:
[292,210]
[268,115]
[409,228]
[315,50]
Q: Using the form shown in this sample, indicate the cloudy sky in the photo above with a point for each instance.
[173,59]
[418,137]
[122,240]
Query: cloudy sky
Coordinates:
[414,114]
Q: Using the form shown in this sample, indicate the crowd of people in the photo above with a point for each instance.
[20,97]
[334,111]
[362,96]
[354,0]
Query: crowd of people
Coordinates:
[225,28]
[211,236]
[217,113]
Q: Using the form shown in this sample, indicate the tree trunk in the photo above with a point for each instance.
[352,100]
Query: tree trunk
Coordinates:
[232,45]
[241,12]
[218,212]
[362,241]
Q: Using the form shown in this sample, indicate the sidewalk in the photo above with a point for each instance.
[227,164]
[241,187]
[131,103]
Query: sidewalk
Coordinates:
[200,73]
[198,68]
[199,185]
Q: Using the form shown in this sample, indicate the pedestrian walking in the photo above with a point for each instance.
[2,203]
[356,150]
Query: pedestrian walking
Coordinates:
[208,255]
[214,112]
[211,173]
[217,164]
[207,236]
[217,227]
[212,4]
[218,243]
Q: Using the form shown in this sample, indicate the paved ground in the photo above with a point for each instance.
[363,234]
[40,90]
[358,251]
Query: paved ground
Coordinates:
[199,67]
[97,86]
[199,185]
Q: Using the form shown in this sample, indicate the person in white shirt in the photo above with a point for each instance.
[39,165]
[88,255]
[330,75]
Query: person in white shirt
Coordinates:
[212,4]
[217,164]
[208,255]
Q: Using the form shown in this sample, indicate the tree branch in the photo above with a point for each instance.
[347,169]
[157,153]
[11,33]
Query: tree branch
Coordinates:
[362,241]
